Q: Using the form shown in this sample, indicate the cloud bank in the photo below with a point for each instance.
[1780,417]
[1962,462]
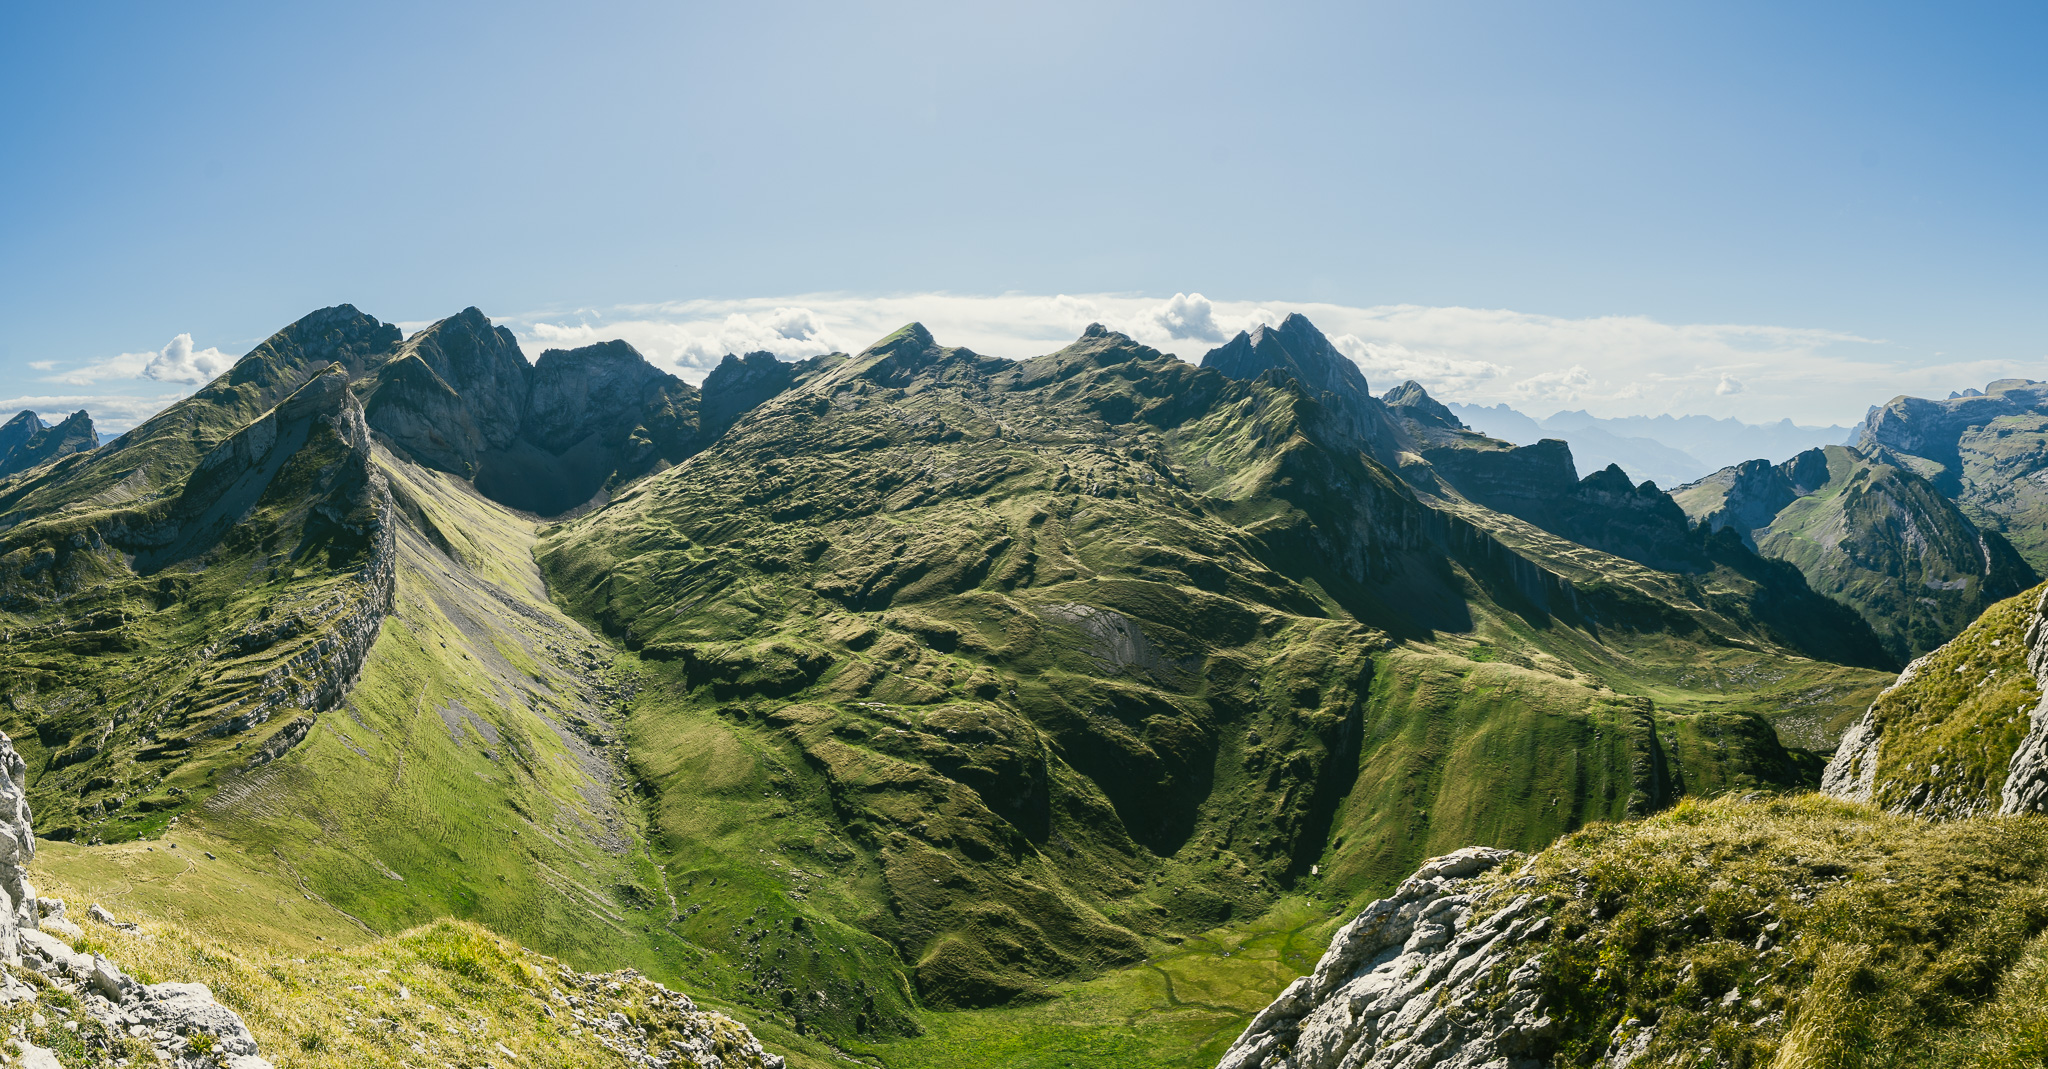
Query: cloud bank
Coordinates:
[1608,365]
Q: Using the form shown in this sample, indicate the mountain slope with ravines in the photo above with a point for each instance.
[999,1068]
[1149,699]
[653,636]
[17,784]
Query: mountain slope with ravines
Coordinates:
[1870,534]
[898,703]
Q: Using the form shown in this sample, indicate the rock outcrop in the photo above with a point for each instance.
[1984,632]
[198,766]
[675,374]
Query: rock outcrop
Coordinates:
[1413,402]
[17,848]
[2026,779]
[186,1026]
[1416,981]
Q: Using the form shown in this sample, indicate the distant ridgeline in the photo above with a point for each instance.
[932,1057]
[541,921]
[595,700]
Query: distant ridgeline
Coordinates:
[849,689]
[26,441]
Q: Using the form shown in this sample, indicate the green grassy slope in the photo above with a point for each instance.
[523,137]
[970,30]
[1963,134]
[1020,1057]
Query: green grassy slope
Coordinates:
[948,700]
[151,645]
[1797,932]
[1947,735]
[1027,671]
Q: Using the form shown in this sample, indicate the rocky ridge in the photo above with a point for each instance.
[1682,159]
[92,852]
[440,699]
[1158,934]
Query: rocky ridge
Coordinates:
[1870,534]
[25,442]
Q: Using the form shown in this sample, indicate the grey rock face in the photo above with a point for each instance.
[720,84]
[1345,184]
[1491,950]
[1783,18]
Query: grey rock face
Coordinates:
[18,912]
[1410,983]
[1296,349]
[1412,401]
[2026,778]
[453,392]
[737,385]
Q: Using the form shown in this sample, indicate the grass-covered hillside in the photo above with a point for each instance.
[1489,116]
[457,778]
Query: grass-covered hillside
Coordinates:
[917,702]
[1942,741]
[1030,670]
[447,993]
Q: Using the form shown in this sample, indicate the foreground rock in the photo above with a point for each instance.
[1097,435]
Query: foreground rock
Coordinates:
[1414,982]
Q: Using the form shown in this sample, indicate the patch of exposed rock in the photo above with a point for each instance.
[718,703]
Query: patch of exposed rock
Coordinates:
[184,1025]
[1415,981]
[681,1036]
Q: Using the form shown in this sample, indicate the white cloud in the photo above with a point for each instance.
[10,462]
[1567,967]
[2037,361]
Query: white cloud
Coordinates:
[1186,315]
[790,332]
[1610,365]
[179,362]
[175,362]
[1728,387]
[1562,386]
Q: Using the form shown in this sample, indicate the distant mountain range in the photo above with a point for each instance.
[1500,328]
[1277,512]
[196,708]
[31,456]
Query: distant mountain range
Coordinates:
[1668,450]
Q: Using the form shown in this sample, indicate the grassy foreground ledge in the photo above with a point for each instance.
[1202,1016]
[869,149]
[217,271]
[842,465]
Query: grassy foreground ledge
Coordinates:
[1796,931]
[447,993]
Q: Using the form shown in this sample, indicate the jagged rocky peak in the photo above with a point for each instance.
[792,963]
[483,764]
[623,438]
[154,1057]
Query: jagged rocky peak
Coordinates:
[340,334]
[1746,497]
[1295,348]
[481,362]
[21,428]
[25,442]
[738,384]
[1412,401]
[607,386]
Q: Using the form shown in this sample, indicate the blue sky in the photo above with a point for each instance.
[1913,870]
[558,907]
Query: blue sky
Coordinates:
[1764,210]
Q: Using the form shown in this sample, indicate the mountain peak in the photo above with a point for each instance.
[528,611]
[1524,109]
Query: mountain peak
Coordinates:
[910,336]
[1411,400]
[1296,348]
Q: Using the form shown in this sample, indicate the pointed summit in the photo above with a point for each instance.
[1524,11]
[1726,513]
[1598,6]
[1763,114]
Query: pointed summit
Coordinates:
[20,429]
[1411,400]
[911,337]
[1295,348]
